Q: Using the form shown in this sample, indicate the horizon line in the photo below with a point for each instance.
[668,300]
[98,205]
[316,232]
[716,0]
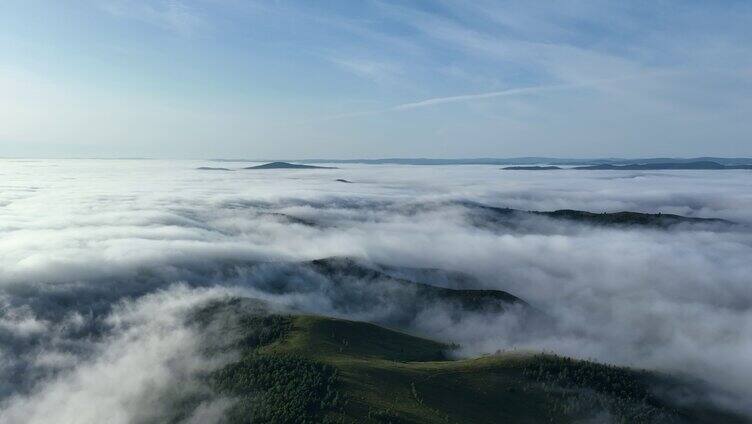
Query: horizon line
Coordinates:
[390,158]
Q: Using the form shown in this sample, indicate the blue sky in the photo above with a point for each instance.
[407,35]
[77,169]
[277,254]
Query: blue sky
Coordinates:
[344,79]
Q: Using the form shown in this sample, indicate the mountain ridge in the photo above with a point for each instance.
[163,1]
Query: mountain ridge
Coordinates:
[523,160]
[286,165]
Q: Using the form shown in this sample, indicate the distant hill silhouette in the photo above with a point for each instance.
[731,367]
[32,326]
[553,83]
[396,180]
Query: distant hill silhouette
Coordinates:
[526,161]
[209,168]
[664,166]
[287,165]
[531,168]
[650,166]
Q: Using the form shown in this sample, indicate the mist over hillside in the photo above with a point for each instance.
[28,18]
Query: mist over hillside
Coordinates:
[102,264]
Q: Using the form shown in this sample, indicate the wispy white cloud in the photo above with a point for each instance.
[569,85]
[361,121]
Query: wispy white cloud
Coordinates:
[171,15]
[523,91]
[480,96]
[520,91]
[377,71]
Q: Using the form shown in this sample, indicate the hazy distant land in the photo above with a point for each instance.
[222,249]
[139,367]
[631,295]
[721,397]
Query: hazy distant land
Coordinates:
[699,165]
[287,165]
[209,168]
[532,168]
[533,161]
[664,166]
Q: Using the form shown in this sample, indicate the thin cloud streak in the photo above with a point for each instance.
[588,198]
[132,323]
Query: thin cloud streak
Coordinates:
[520,91]
[436,101]
[470,97]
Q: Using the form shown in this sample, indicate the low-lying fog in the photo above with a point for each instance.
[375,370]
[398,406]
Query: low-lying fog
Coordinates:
[100,260]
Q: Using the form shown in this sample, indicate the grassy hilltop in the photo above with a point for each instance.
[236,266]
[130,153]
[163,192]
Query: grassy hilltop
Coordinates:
[311,369]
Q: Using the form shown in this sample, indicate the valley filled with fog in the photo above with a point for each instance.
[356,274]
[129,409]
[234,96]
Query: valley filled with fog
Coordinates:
[101,260]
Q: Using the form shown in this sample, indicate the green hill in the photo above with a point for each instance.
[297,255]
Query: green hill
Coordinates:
[310,369]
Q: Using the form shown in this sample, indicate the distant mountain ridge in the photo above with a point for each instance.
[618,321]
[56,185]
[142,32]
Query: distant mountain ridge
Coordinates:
[286,165]
[664,166]
[655,166]
[209,168]
[527,160]
[532,168]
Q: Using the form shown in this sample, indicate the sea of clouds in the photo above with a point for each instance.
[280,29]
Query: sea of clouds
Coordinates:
[102,260]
